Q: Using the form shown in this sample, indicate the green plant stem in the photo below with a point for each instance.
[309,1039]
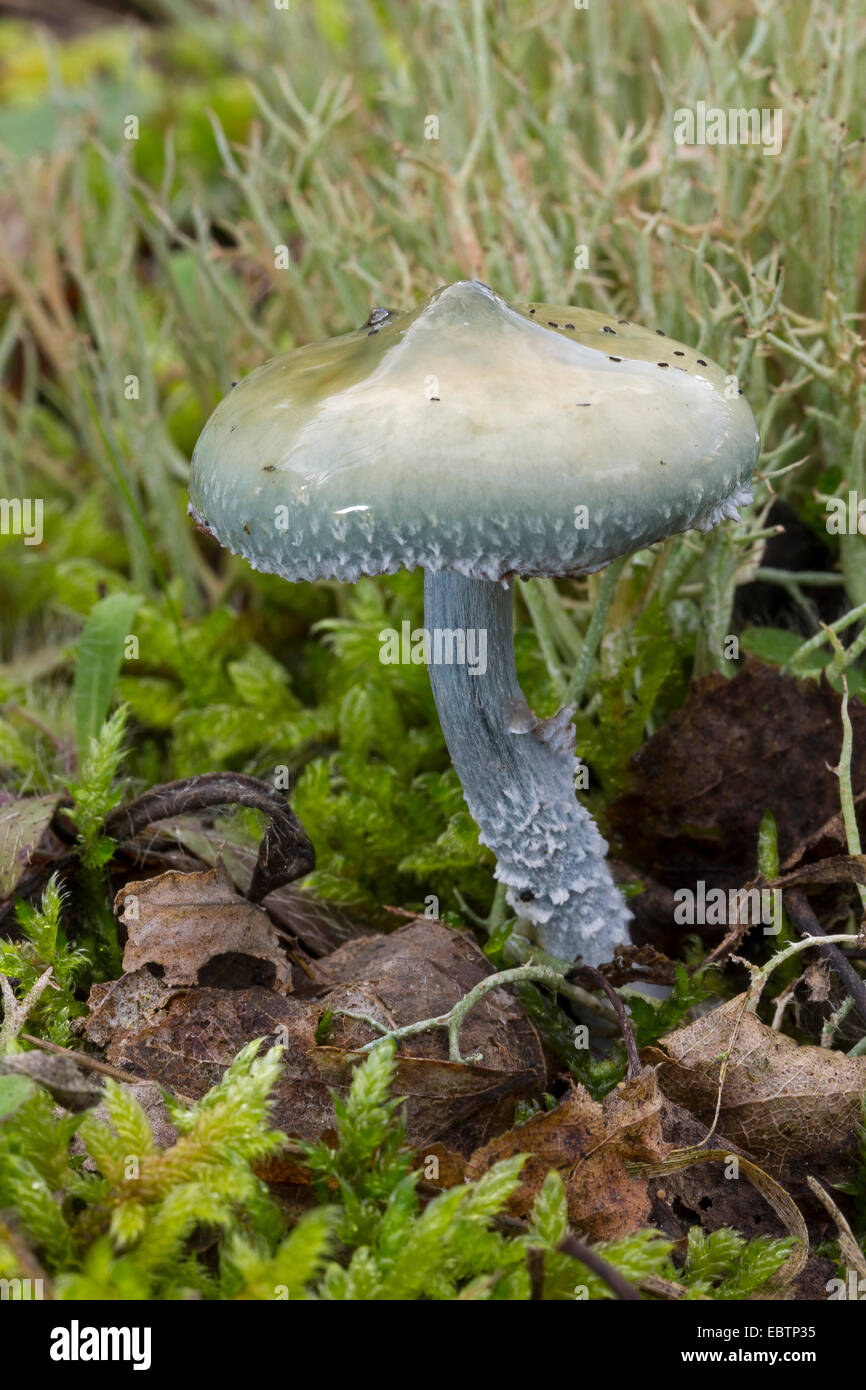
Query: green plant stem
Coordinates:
[847,619]
[453,1020]
[846,792]
[813,579]
[541,621]
[761,974]
[580,675]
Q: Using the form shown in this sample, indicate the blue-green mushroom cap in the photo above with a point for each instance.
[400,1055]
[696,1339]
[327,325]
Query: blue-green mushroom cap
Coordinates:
[473,435]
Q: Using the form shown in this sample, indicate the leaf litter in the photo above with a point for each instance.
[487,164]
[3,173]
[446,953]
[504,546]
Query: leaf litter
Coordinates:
[207,970]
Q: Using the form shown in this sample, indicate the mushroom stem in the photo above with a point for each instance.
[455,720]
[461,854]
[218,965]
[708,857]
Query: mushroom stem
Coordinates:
[517,773]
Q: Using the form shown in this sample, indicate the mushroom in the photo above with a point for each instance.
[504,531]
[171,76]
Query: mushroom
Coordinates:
[483,440]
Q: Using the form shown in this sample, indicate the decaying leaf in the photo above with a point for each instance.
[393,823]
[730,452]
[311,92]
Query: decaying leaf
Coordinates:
[699,787]
[186,923]
[591,1144]
[775,1195]
[792,1107]
[124,1006]
[440,1166]
[420,971]
[23,823]
[642,963]
[827,840]
[186,1039]
[704,1195]
[320,926]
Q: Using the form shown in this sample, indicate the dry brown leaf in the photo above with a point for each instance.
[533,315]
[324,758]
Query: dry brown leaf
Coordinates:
[320,926]
[185,1040]
[187,922]
[440,1166]
[829,839]
[705,1196]
[699,786]
[123,1006]
[794,1108]
[590,1144]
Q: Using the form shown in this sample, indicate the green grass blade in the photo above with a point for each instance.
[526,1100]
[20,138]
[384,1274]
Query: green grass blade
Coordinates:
[100,651]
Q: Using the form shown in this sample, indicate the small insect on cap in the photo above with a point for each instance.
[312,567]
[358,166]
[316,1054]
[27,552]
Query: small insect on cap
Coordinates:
[473,435]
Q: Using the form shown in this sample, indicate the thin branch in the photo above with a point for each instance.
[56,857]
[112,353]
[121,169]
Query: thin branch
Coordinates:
[634,1062]
[612,1277]
[88,1063]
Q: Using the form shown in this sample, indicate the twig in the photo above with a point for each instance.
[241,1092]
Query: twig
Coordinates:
[634,1062]
[612,1277]
[668,1289]
[535,1269]
[851,1252]
[286,852]
[781,1002]
[88,1063]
